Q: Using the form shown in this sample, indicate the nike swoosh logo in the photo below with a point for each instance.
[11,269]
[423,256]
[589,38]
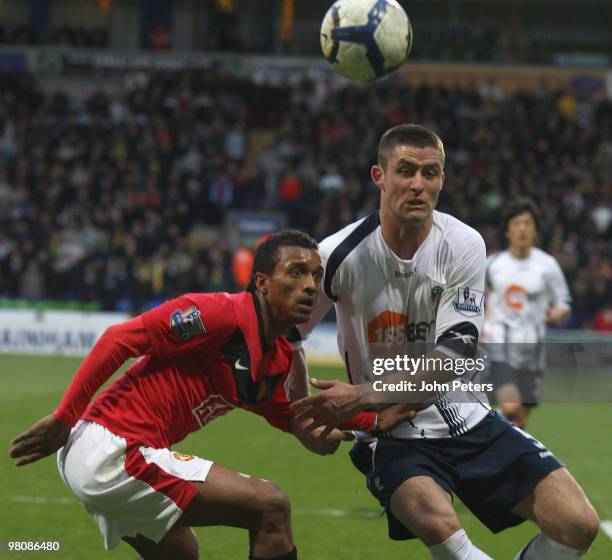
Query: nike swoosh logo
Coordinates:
[238,365]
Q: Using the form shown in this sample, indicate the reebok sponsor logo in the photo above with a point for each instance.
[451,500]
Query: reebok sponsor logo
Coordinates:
[404,275]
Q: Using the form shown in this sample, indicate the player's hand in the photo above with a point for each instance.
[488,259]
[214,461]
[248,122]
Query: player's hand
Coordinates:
[45,437]
[554,315]
[395,414]
[335,404]
[314,439]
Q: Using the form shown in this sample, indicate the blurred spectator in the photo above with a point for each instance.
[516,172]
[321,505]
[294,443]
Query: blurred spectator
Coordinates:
[331,180]
[32,282]
[242,265]
[290,194]
[160,39]
[236,142]
[603,319]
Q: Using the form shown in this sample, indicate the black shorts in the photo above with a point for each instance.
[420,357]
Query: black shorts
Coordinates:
[529,383]
[491,468]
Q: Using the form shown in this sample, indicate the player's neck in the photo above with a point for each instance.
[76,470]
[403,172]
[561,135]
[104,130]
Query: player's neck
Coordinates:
[402,238]
[271,329]
[520,252]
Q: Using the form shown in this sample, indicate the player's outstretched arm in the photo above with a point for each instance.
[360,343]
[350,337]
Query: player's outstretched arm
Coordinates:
[118,343]
[45,437]
[112,349]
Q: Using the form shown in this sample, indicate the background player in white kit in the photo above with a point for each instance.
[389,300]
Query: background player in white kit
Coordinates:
[408,274]
[526,290]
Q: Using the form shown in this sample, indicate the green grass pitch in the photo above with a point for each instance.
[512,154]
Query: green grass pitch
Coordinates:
[334,516]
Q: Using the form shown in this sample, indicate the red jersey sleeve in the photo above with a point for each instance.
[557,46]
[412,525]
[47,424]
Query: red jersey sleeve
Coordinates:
[113,348]
[190,322]
[364,422]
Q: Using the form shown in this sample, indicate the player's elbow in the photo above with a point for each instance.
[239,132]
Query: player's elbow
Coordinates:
[110,332]
[115,332]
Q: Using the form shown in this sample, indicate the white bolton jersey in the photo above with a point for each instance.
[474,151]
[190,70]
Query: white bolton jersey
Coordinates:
[386,306]
[519,292]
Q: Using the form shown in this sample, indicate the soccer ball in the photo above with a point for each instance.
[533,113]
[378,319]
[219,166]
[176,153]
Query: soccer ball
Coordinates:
[366,39]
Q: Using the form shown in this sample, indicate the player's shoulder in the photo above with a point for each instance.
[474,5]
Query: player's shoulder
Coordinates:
[346,251]
[497,258]
[460,237]
[220,297]
[220,302]
[349,237]
[543,257]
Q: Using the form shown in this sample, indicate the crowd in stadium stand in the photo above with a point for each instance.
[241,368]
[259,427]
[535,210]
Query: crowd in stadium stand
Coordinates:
[121,199]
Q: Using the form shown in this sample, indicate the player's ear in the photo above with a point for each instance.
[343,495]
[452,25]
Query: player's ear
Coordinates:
[262,283]
[378,176]
[442,181]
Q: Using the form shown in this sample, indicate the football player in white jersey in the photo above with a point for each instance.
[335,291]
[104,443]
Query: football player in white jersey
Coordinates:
[405,274]
[526,290]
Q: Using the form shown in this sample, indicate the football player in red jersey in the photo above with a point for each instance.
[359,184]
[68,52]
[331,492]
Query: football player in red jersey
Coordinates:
[203,355]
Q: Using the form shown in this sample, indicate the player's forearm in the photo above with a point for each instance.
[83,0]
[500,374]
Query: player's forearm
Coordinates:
[297,381]
[113,348]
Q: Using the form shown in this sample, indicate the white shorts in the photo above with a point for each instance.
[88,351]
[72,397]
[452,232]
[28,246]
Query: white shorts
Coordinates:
[128,487]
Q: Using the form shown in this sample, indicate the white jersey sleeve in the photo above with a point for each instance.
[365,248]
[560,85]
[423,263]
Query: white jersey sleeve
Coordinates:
[489,286]
[556,286]
[462,300]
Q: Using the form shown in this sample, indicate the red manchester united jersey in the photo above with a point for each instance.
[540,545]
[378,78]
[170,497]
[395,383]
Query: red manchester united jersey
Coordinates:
[208,356]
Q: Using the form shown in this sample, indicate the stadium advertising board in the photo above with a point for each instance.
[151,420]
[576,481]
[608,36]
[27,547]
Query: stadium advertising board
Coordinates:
[69,333]
[67,62]
[509,78]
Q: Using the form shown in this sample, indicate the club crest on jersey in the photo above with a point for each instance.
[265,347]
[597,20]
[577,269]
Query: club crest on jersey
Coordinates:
[187,324]
[469,302]
[182,456]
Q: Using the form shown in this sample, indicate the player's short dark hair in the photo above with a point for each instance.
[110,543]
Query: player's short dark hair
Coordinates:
[407,135]
[266,255]
[518,206]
